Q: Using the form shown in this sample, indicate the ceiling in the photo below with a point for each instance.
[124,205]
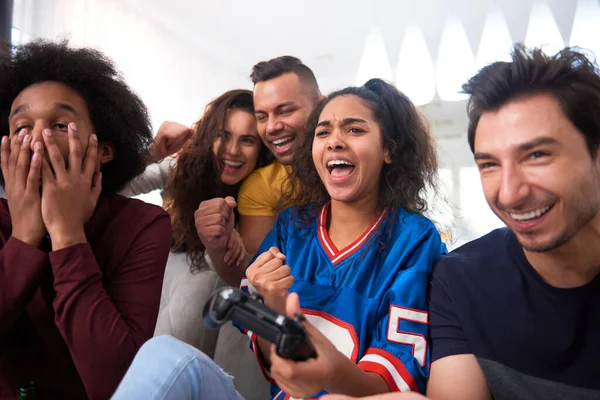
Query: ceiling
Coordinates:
[330,35]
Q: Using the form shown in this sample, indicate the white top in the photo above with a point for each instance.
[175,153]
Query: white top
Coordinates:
[156,176]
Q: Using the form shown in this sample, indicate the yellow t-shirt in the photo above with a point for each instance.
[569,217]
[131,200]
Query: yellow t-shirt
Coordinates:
[262,189]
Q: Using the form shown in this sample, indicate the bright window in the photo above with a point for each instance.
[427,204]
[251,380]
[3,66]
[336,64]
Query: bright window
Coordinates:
[542,30]
[456,63]
[415,75]
[374,62]
[495,42]
[586,26]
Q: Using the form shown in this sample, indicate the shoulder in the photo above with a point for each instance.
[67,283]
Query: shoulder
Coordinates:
[479,259]
[411,228]
[256,182]
[481,250]
[263,174]
[285,219]
[412,222]
[286,215]
[132,212]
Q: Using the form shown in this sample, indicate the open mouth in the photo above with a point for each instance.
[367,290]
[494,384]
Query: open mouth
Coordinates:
[339,168]
[532,215]
[283,144]
[233,165]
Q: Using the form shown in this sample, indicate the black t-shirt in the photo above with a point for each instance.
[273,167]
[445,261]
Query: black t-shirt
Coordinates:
[532,340]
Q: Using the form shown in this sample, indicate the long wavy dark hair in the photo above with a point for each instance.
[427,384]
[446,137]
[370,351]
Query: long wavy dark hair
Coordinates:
[406,136]
[197,174]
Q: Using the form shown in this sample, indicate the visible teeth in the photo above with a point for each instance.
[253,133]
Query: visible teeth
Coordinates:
[282,140]
[233,164]
[339,162]
[530,215]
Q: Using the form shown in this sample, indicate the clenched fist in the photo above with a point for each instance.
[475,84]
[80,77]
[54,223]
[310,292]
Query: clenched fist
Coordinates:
[271,278]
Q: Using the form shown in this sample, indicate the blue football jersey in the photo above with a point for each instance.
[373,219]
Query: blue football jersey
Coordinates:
[370,298]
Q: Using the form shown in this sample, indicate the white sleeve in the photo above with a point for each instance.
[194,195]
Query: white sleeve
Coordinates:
[156,176]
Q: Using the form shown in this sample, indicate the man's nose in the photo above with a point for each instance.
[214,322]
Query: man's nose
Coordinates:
[514,189]
[36,136]
[274,125]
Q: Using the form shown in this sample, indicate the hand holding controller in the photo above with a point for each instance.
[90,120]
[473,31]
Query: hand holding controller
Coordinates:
[287,334]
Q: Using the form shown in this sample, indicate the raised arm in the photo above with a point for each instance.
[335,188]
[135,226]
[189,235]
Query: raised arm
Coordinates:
[155,177]
[169,139]
[215,223]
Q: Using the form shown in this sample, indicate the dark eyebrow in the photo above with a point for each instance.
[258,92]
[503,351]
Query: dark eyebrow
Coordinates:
[482,156]
[348,121]
[279,106]
[535,143]
[17,110]
[286,104]
[345,121]
[523,147]
[66,107]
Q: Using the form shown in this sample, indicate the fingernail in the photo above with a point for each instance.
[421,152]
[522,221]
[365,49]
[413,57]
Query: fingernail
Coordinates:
[26,138]
[94,137]
[37,146]
[73,126]
[47,132]
[36,156]
[22,132]
[226,261]
[4,139]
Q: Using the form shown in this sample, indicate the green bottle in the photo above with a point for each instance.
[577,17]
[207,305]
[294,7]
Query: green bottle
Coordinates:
[27,391]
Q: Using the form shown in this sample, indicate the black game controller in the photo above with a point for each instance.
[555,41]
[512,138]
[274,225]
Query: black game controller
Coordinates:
[287,334]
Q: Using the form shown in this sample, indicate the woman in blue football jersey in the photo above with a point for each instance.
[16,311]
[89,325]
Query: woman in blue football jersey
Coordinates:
[357,250]
[356,253]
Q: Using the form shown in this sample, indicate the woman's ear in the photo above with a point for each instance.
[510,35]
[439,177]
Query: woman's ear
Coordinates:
[386,156]
[106,152]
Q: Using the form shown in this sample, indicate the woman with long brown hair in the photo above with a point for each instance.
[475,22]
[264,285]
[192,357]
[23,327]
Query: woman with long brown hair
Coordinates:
[222,151]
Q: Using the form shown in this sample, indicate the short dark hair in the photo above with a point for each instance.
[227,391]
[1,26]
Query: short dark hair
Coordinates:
[406,136]
[570,76]
[116,112]
[267,70]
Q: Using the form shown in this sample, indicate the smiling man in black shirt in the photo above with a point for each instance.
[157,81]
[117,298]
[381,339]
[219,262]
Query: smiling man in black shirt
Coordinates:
[516,314]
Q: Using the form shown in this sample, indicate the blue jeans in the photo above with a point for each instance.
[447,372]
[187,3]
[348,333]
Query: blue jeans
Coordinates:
[166,368]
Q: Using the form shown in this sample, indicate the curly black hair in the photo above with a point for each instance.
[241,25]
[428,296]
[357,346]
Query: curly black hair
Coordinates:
[406,136]
[117,113]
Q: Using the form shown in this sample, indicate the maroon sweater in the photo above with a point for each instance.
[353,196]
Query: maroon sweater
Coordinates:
[72,320]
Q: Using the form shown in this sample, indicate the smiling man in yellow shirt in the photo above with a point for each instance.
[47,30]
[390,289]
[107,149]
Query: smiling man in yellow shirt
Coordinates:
[285,93]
